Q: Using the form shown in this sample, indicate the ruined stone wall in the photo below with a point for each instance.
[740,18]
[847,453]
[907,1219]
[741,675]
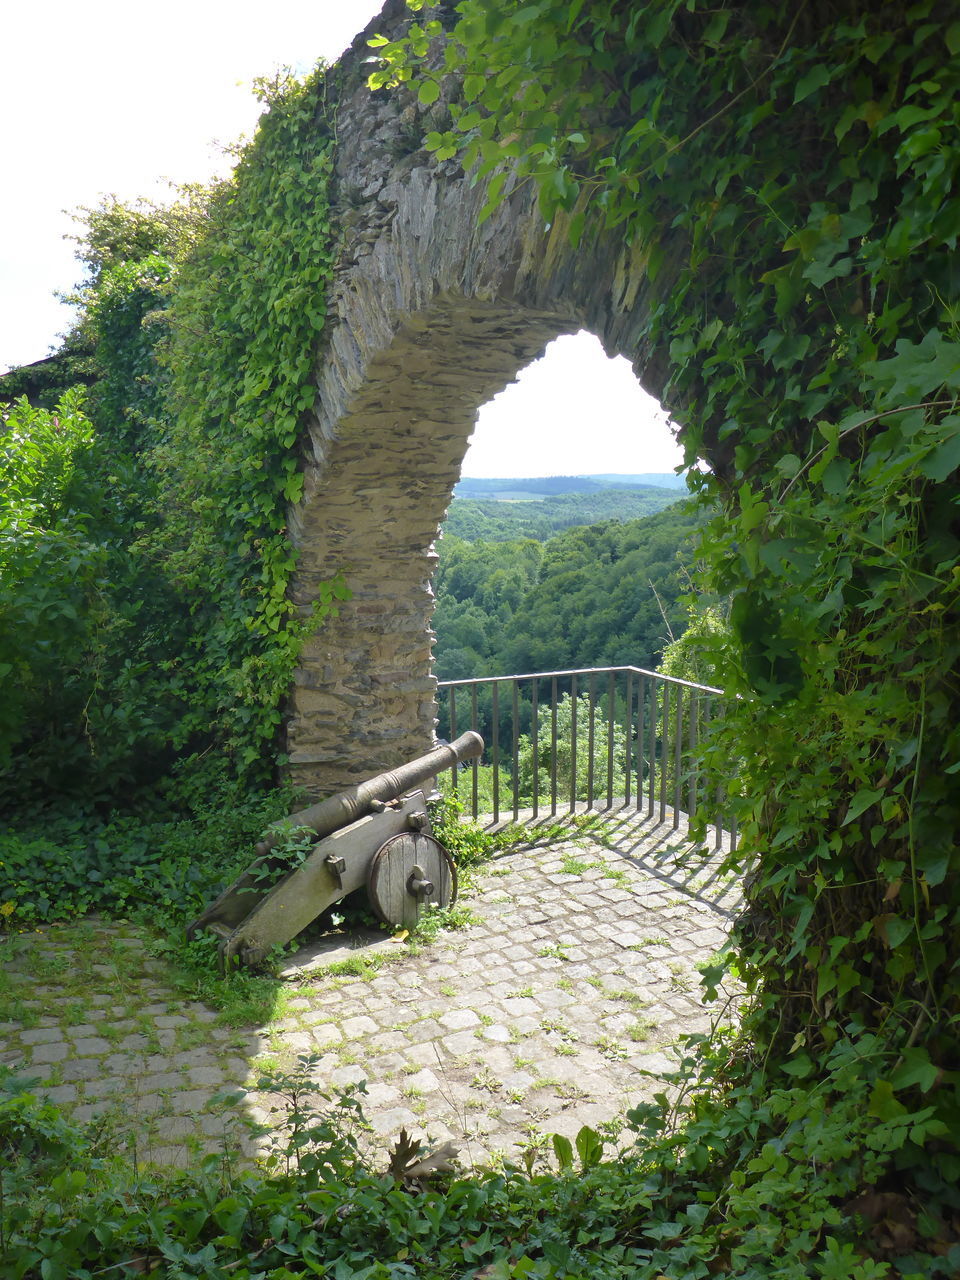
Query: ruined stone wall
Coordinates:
[431,314]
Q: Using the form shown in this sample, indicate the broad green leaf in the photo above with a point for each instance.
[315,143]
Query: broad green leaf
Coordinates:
[893,929]
[801,1066]
[883,1104]
[428,92]
[815,79]
[944,460]
[589,1147]
[563,1150]
[860,803]
[934,866]
[916,1071]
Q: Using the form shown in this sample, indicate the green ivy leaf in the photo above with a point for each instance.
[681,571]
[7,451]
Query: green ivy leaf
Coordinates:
[815,79]
[860,803]
[883,1104]
[801,1066]
[915,1071]
[941,463]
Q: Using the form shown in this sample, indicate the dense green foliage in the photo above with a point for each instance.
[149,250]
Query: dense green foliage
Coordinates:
[160,870]
[47,564]
[591,777]
[496,520]
[240,361]
[321,1208]
[81,636]
[597,595]
[161,631]
[788,177]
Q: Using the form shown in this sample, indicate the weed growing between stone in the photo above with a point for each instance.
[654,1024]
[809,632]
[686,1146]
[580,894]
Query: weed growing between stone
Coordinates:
[324,1202]
[159,871]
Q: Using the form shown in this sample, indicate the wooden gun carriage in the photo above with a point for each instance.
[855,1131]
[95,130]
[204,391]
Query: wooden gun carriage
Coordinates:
[376,833]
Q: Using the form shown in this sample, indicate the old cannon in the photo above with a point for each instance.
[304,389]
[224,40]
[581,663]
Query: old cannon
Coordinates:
[375,834]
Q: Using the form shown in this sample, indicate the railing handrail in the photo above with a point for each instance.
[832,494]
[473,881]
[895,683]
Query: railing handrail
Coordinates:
[581,671]
[659,720]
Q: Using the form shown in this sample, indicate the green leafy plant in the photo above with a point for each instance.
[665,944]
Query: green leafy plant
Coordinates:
[168,634]
[785,184]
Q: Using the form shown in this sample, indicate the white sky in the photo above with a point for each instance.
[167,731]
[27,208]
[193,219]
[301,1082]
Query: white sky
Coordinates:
[110,96]
[570,412]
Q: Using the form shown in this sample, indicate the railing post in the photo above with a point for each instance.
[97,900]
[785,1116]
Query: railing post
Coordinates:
[535,739]
[573,744]
[664,750]
[628,736]
[515,708]
[592,704]
[641,738]
[553,747]
[495,749]
[677,757]
[652,753]
[475,772]
[611,712]
[453,736]
[693,743]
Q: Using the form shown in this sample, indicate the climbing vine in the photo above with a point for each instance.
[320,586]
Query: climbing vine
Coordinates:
[203,322]
[786,179]
[245,320]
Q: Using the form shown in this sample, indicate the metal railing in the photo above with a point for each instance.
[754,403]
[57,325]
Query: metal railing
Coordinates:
[591,738]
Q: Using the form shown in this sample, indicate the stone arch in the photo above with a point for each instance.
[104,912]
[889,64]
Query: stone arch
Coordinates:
[431,314]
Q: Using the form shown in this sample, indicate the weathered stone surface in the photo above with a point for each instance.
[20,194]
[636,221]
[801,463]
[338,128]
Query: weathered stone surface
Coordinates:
[505,1048]
[431,313]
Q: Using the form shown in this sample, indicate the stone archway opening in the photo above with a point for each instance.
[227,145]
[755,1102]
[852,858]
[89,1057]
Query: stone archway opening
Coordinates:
[365,693]
[432,311]
[365,698]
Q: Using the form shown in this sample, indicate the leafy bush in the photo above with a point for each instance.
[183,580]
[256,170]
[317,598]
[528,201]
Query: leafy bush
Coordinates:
[50,562]
[591,765]
[144,558]
[163,867]
[711,1185]
[470,844]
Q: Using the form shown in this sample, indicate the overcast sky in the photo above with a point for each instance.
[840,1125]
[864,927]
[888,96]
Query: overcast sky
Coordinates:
[110,97]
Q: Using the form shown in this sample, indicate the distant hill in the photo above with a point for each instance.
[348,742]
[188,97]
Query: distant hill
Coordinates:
[660,479]
[518,489]
[540,516]
[608,593]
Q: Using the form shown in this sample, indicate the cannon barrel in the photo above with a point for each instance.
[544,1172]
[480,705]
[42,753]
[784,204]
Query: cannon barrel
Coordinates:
[340,810]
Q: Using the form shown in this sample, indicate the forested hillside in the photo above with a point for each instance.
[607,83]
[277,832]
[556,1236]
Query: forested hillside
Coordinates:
[590,596]
[499,519]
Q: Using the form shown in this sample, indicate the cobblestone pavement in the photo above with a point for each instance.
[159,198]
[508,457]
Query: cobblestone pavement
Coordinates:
[544,1015]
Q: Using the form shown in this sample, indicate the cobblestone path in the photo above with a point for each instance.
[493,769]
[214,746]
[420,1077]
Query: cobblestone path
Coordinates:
[544,1015]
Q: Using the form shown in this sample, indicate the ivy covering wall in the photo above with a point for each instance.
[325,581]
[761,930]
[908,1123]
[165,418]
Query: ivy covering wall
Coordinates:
[788,176]
[176,641]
